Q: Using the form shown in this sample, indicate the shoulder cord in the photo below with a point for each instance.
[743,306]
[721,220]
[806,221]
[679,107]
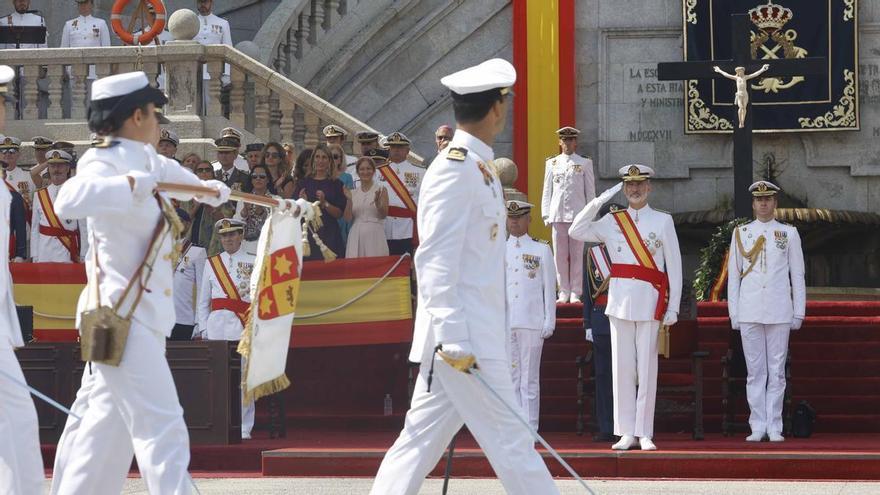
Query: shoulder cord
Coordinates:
[752,254]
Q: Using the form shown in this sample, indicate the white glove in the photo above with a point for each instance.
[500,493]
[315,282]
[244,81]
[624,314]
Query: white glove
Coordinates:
[589,334]
[307,209]
[670,318]
[459,355]
[609,193]
[215,201]
[796,323]
[545,219]
[734,324]
[546,333]
[144,184]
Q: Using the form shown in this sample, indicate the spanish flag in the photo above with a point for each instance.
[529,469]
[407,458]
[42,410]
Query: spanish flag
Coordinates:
[274,289]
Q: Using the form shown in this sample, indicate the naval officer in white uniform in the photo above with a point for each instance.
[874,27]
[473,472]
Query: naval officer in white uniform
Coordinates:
[644,291]
[767,298]
[21,464]
[132,407]
[531,306]
[568,186]
[461,308]
[85,31]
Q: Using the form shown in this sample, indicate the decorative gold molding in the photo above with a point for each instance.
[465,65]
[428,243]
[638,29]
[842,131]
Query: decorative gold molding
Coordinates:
[844,114]
[700,117]
[850,10]
[690,5]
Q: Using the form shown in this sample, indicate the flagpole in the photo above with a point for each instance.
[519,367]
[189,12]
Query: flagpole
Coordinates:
[209,191]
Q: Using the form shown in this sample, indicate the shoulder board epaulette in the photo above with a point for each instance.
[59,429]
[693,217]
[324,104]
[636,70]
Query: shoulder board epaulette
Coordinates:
[549,158]
[662,211]
[785,223]
[107,143]
[457,154]
[422,165]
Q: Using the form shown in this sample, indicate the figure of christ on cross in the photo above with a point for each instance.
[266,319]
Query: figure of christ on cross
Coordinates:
[742,60]
[741,99]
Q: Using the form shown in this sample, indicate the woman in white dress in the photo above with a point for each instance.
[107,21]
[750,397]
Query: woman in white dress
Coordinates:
[367,210]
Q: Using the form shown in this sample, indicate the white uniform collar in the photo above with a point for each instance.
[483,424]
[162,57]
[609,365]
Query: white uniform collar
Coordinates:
[465,139]
[641,211]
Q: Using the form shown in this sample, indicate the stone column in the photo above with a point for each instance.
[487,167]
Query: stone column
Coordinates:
[183,76]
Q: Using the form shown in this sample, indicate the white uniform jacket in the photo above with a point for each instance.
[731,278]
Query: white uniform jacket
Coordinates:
[85,31]
[223,324]
[120,227]
[239,163]
[460,260]
[568,186]
[16,19]
[774,291]
[214,30]
[49,249]
[531,284]
[412,177]
[187,277]
[630,299]
[23,183]
[10,333]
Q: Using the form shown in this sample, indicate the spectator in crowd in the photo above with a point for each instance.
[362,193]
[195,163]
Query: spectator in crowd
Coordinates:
[442,137]
[253,154]
[337,155]
[20,179]
[254,216]
[168,142]
[400,225]
[368,140]
[301,166]
[187,275]
[202,227]
[190,160]
[213,30]
[225,296]
[289,154]
[335,134]
[17,224]
[55,239]
[282,182]
[366,210]
[320,185]
[225,169]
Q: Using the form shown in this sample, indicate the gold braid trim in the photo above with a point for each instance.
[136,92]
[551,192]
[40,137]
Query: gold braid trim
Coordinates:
[752,254]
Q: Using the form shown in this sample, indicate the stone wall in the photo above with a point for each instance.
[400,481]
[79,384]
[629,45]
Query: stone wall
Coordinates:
[628,116]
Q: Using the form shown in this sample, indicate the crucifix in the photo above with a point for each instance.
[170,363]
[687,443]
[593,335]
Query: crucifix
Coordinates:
[741,68]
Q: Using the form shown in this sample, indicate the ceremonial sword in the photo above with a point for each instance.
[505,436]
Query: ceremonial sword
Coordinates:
[39,394]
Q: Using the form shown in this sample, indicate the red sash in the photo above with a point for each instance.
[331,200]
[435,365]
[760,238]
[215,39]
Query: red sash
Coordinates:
[68,238]
[233,301]
[646,270]
[11,232]
[409,209]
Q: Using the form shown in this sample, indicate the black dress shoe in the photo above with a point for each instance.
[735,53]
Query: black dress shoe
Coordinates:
[604,437]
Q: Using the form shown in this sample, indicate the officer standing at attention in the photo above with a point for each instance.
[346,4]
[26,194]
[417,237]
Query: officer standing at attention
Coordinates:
[568,186]
[461,317]
[213,30]
[85,31]
[167,145]
[131,407]
[597,275]
[55,239]
[399,225]
[645,290]
[334,134]
[21,464]
[766,294]
[531,306]
[225,297]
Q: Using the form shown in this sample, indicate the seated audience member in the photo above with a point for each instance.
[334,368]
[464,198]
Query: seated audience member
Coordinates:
[366,211]
[280,180]
[321,186]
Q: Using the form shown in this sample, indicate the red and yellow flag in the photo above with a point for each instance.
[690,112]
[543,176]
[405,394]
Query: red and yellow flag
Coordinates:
[279,284]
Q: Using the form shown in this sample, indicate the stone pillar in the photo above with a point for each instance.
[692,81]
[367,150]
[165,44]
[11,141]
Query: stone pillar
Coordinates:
[183,77]
[507,173]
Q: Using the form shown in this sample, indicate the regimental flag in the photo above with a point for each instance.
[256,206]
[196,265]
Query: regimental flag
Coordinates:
[780,29]
[274,289]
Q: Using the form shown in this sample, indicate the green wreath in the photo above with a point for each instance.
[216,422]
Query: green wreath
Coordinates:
[712,256]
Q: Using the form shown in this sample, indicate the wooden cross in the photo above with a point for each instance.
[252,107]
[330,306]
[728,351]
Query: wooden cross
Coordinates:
[742,57]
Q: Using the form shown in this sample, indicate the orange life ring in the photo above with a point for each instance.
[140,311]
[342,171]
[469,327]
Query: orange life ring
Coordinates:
[128,38]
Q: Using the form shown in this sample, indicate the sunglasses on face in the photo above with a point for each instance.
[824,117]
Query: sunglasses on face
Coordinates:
[259,176]
[274,154]
[9,151]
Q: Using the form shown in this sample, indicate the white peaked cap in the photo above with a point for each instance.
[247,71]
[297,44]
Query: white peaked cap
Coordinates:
[491,74]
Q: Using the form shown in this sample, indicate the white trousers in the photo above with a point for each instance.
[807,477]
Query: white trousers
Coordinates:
[434,418]
[634,375]
[248,410]
[129,408]
[765,348]
[21,464]
[568,256]
[525,366]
